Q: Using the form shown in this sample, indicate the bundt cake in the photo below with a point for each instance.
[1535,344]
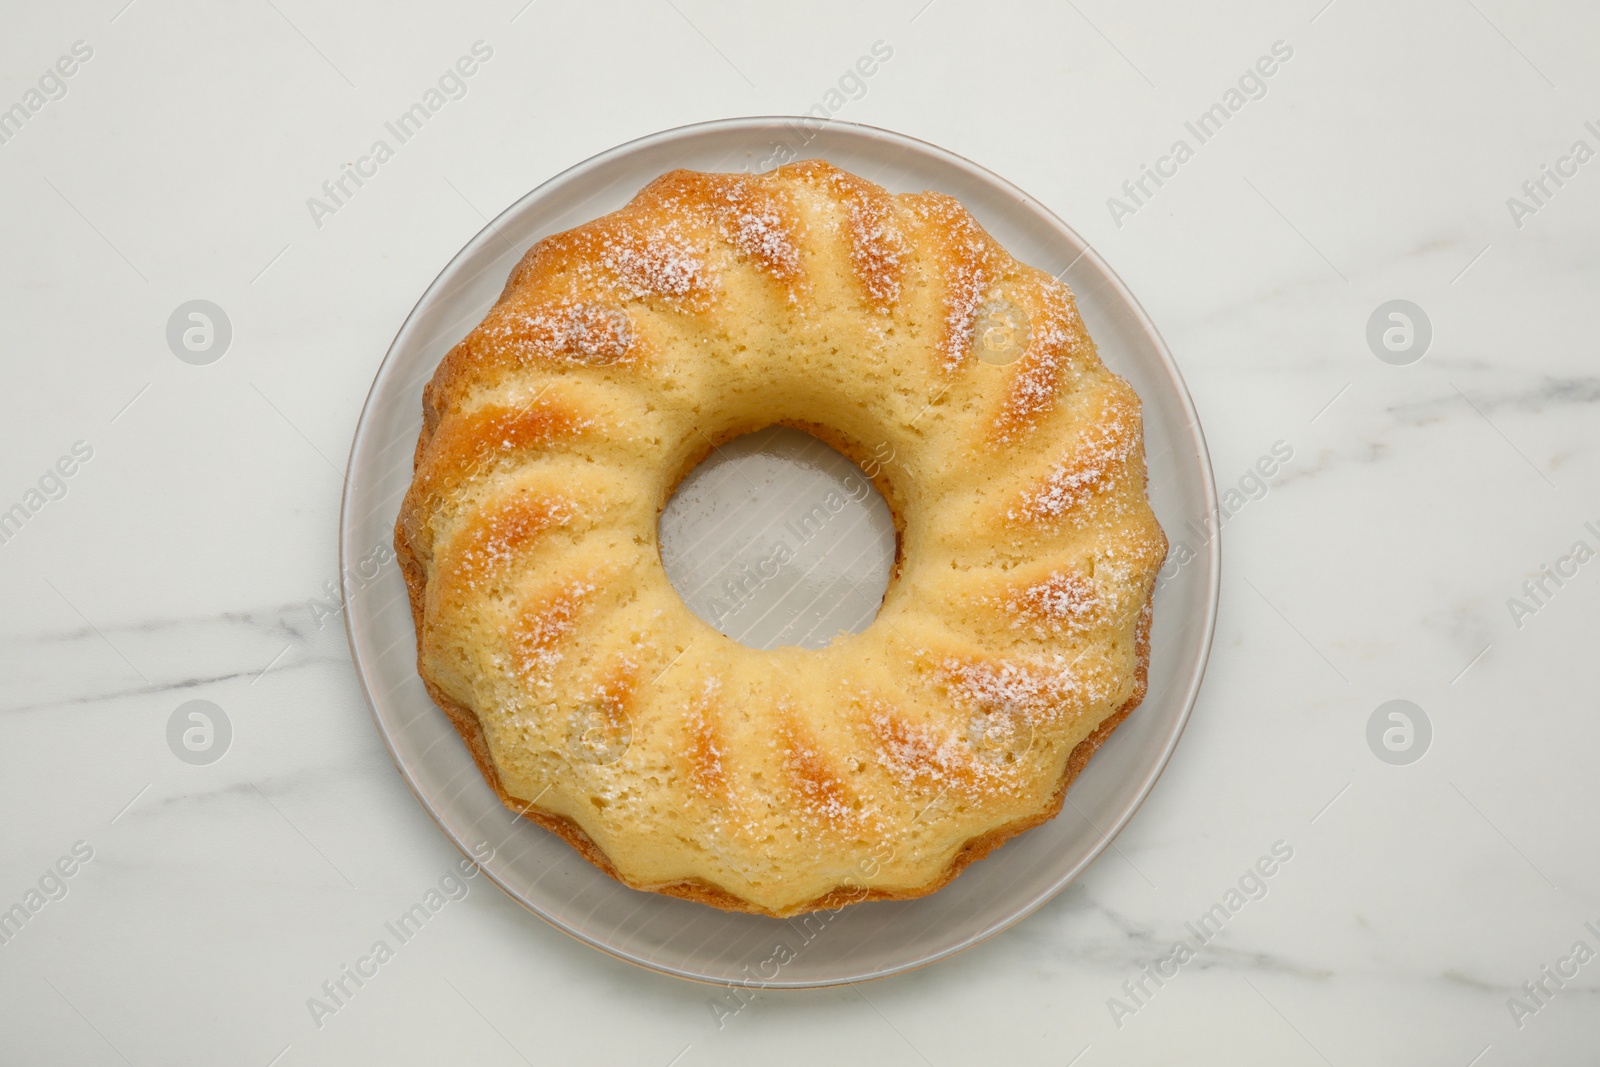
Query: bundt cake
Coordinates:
[1014,634]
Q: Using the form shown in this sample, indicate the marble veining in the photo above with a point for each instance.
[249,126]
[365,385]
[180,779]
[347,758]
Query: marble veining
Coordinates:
[189,561]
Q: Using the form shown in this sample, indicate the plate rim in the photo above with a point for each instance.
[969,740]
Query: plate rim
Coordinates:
[1213,554]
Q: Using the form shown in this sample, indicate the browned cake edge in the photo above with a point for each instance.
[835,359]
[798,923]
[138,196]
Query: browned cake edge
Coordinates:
[467,725]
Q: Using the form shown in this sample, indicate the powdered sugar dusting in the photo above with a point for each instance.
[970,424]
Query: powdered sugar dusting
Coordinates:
[1041,690]
[765,238]
[537,633]
[708,773]
[589,333]
[1063,602]
[493,545]
[660,261]
[1094,462]
[1054,340]
[877,247]
[468,446]
[761,230]
[967,279]
[967,260]
[915,756]
[822,795]
[980,684]
[504,431]
[750,213]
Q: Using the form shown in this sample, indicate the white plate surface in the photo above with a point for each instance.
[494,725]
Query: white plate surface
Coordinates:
[691,940]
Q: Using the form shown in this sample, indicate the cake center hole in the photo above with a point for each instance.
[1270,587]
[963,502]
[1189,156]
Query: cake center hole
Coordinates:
[778,539]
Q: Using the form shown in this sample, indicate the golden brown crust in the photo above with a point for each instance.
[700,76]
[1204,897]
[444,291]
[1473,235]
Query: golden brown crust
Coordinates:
[471,730]
[593,357]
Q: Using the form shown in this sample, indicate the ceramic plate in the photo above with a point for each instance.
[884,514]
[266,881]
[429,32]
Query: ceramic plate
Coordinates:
[678,937]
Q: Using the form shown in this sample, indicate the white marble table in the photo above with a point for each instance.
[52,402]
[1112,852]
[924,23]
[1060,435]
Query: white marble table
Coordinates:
[174,528]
